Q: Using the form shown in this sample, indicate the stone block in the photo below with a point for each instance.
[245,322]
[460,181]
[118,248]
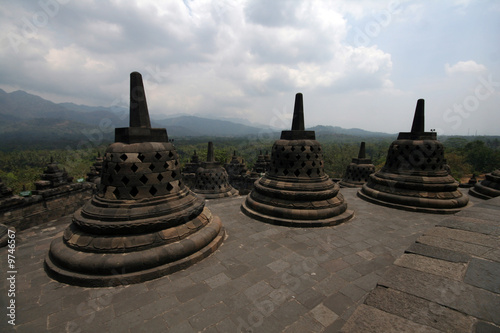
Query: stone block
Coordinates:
[419,310]
[451,270]
[450,293]
[484,274]
[369,319]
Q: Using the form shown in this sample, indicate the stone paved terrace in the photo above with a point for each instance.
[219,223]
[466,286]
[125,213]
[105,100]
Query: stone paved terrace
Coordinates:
[267,278]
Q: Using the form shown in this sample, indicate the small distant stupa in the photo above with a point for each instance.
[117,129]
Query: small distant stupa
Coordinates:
[52,177]
[295,190]
[144,222]
[212,180]
[261,165]
[415,176]
[193,165]
[235,167]
[94,176]
[359,170]
[489,187]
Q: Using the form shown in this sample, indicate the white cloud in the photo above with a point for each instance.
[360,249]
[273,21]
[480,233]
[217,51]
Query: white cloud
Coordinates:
[469,66]
[250,57]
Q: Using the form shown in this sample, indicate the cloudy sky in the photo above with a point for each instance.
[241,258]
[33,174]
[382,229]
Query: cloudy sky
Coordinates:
[358,63]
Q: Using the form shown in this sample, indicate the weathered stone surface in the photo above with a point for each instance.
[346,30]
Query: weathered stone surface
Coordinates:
[358,171]
[451,270]
[465,236]
[483,327]
[438,253]
[52,177]
[295,190]
[484,274]
[370,319]
[212,180]
[454,245]
[489,187]
[415,176]
[94,176]
[473,225]
[419,310]
[450,293]
[144,222]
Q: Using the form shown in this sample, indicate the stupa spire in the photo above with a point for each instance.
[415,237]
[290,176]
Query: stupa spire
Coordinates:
[139,115]
[362,153]
[140,129]
[298,131]
[210,152]
[295,191]
[298,114]
[418,118]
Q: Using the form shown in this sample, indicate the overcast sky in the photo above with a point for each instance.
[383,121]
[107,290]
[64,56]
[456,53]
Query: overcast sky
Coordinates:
[358,63]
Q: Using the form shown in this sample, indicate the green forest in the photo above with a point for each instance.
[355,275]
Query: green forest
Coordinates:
[465,155]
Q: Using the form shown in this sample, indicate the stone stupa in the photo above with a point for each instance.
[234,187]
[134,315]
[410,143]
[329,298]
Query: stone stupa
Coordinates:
[193,164]
[295,191]
[52,177]
[261,165]
[358,171]
[94,176]
[212,180]
[487,188]
[415,176]
[235,167]
[144,222]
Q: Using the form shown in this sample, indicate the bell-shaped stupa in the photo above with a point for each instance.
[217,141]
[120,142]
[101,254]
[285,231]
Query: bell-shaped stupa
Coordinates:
[359,170]
[295,191]
[261,165]
[52,177]
[236,167]
[193,164]
[489,187]
[94,176]
[212,180]
[415,176]
[144,222]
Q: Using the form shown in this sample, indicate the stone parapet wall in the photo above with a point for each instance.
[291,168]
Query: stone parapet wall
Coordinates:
[44,206]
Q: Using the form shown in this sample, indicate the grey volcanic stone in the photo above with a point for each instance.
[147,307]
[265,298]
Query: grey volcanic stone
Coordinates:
[415,176]
[144,222]
[358,171]
[369,319]
[483,274]
[453,294]
[419,310]
[212,180]
[295,190]
[489,187]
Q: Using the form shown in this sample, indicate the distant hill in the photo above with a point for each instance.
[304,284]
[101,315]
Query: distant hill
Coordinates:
[198,126]
[29,121]
[320,129]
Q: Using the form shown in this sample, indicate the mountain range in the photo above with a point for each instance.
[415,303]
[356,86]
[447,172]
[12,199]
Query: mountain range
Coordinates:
[27,120]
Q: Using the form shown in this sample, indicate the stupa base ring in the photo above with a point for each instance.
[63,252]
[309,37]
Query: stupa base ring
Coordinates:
[331,221]
[483,192]
[421,209]
[231,193]
[120,276]
[350,185]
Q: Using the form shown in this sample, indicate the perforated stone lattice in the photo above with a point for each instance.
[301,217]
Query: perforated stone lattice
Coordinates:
[418,155]
[358,173]
[291,160]
[140,175]
[215,180]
